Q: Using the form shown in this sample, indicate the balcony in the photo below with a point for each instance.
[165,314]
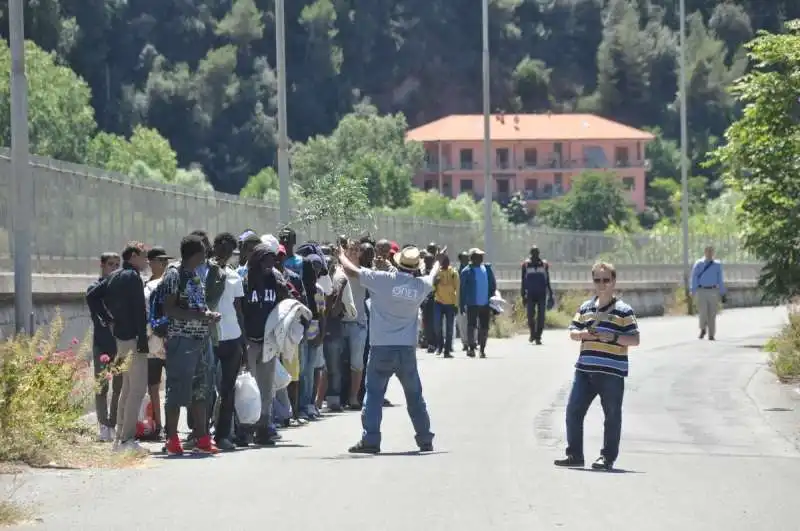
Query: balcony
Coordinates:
[574,165]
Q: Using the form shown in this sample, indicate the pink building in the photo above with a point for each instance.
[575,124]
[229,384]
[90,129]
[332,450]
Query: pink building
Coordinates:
[537,155]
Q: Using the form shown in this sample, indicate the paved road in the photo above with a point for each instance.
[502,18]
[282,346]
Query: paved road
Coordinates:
[700,452]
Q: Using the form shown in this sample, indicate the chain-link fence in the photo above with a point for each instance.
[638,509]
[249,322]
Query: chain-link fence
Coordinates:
[82,211]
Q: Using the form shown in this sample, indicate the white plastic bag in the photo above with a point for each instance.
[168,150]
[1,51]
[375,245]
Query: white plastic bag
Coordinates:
[247,399]
[282,376]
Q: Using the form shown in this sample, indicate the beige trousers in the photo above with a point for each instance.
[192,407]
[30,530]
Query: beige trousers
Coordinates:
[707,301]
[134,387]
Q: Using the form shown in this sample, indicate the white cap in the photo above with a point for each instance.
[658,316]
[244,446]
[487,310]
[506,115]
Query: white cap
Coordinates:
[271,241]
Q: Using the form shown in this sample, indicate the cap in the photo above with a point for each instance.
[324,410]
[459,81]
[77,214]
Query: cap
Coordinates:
[271,242]
[156,253]
[475,250]
[243,236]
[394,246]
[281,249]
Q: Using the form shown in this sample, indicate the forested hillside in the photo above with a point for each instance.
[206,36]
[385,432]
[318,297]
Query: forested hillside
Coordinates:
[201,72]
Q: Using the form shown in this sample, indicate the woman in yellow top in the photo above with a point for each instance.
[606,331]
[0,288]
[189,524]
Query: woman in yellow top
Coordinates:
[445,287]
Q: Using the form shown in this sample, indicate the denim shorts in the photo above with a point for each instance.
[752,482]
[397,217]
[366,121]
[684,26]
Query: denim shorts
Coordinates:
[355,335]
[317,357]
[187,371]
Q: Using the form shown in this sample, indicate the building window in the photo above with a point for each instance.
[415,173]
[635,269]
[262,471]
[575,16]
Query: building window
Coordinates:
[465,156]
[558,183]
[621,157]
[501,156]
[594,157]
[466,186]
[629,183]
[429,185]
[531,157]
[638,151]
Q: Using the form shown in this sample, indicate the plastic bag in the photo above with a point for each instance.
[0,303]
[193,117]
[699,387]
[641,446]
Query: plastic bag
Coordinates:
[247,399]
[282,376]
[145,424]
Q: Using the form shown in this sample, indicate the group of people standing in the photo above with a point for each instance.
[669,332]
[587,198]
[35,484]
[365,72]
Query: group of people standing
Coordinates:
[204,317]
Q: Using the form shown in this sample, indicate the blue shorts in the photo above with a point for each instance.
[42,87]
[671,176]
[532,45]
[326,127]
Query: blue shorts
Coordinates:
[187,371]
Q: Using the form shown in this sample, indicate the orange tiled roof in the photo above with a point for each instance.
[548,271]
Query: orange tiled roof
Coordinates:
[548,127]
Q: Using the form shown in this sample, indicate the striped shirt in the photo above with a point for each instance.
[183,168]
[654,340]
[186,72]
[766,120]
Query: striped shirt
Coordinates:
[618,318]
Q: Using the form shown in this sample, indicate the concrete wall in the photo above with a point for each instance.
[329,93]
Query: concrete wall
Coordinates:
[648,299]
[64,294]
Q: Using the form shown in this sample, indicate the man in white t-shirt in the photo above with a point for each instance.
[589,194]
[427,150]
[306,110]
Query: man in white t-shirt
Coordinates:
[229,350]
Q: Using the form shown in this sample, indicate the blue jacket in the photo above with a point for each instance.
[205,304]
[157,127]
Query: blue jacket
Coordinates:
[467,291]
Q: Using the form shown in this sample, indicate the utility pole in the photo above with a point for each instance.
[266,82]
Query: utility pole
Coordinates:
[488,188]
[684,156]
[283,139]
[22,204]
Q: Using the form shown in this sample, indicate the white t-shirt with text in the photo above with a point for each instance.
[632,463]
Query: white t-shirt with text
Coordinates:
[229,324]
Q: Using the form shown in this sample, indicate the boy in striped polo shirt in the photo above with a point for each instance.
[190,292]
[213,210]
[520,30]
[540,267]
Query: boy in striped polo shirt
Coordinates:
[606,327]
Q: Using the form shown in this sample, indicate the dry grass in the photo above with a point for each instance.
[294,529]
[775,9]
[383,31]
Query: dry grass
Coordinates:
[514,321]
[44,391]
[677,303]
[13,513]
[784,348]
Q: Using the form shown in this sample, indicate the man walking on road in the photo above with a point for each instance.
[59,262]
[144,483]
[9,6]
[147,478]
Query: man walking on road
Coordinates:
[536,293]
[395,300]
[605,326]
[707,287]
[478,285]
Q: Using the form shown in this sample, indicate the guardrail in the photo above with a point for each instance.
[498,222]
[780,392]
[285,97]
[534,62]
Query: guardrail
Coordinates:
[668,273]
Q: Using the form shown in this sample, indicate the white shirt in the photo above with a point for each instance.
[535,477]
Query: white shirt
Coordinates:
[155,344]
[229,324]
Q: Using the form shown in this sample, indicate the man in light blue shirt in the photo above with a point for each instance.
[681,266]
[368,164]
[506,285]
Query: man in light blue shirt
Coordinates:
[707,287]
[478,285]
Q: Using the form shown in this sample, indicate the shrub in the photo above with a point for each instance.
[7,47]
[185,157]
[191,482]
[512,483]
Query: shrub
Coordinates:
[515,320]
[784,348]
[39,398]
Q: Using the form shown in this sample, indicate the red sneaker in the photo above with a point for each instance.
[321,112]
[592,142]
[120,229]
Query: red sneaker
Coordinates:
[174,446]
[206,446]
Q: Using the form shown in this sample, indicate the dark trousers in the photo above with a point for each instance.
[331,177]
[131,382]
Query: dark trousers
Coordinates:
[585,387]
[428,324]
[444,314]
[536,309]
[229,358]
[107,416]
[478,318]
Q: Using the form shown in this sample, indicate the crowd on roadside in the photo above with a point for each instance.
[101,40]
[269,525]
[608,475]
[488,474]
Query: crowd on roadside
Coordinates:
[285,313]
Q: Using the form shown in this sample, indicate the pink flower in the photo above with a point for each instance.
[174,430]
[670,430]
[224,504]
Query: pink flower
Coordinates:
[75,341]
[105,358]
[39,358]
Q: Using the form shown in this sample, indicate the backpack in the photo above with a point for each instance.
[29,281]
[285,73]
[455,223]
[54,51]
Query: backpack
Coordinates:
[158,320]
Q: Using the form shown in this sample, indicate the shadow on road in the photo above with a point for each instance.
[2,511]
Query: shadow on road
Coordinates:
[614,471]
[409,453]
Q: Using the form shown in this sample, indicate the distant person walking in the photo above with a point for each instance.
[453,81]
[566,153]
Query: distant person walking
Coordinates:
[707,287]
[478,285]
[536,293]
[605,326]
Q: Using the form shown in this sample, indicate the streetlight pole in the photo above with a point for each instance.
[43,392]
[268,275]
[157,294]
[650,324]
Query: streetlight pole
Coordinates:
[283,139]
[684,153]
[23,204]
[488,189]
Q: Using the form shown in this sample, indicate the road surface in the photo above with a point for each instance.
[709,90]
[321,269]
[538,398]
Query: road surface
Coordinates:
[706,446]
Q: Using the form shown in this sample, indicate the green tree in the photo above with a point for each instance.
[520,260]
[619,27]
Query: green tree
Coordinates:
[595,201]
[60,116]
[370,148]
[115,153]
[760,157]
[259,184]
[517,210]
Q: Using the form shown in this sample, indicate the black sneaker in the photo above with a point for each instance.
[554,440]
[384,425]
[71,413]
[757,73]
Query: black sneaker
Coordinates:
[427,447]
[225,445]
[471,353]
[447,355]
[538,341]
[483,353]
[531,339]
[603,464]
[243,440]
[362,448]
[263,440]
[569,462]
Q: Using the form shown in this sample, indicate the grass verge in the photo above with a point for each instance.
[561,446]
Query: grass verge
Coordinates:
[514,320]
[13,513]
[44,392]
[784,348]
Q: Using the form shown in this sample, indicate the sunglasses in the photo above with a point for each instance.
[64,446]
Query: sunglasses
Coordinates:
[602,280]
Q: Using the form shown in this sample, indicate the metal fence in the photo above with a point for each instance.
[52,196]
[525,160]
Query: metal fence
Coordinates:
[82,211]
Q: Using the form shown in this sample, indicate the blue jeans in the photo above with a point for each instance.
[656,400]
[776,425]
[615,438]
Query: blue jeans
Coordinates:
[384,361]
[333,349]
[307,358]
[585,387]
[444,341]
